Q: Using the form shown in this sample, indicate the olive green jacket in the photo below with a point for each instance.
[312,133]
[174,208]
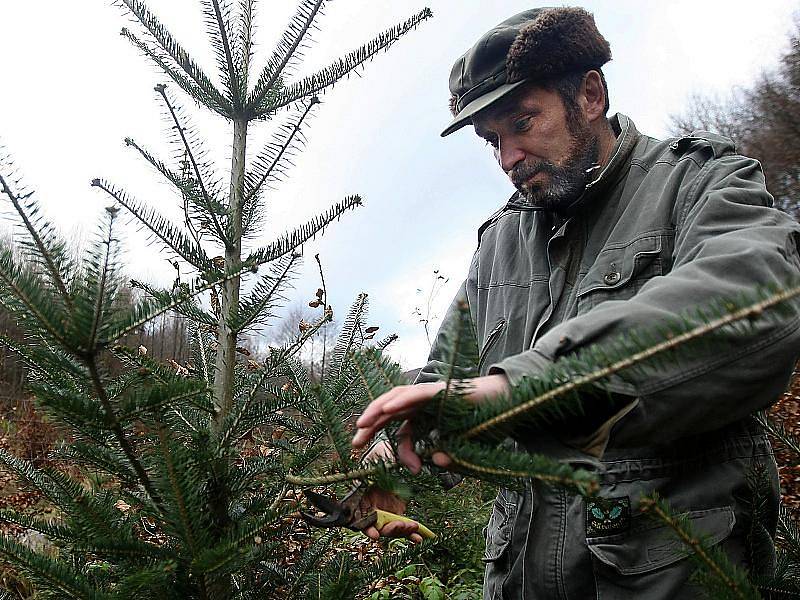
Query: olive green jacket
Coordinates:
[666,226]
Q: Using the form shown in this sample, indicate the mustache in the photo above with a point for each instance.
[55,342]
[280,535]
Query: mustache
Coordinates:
[523,171]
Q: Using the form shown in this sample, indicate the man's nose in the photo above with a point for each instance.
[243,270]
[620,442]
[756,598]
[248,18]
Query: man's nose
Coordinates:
[508,155]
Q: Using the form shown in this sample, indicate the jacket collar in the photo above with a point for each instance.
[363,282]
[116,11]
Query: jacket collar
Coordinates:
[627,136]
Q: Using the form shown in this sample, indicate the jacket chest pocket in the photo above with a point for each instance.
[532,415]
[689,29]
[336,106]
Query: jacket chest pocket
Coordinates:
[489,344]
[620,271]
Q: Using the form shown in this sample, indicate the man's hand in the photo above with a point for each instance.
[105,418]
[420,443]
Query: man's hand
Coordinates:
[376,498]
[402,402]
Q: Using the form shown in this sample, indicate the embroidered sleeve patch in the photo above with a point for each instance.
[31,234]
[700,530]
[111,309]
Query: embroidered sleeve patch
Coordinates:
[607,516]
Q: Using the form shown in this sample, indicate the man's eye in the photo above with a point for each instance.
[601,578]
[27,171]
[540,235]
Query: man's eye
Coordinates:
[522,124]
[491,142]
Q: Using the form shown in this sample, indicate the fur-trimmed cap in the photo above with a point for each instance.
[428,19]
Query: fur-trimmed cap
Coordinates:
[536,44]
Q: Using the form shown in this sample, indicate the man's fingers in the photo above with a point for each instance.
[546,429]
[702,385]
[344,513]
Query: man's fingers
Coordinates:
[399,528]
[364,434]
[440,459]
[375,407]
[405,449]
[411,397]
[395,404]
[399,399]
[361,438]
[395,529]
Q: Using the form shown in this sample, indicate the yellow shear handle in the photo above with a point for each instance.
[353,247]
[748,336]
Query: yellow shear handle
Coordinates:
[383,517]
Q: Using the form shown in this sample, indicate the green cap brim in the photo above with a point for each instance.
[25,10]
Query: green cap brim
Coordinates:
[464,117]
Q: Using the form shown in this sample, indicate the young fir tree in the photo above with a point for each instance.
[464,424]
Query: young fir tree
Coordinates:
[160,503]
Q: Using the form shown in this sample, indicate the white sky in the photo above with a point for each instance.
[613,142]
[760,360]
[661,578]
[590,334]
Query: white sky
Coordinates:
[71,89]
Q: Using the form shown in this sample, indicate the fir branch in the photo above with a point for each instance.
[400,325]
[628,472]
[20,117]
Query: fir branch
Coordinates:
[244,46]
[156,580]
[461,339]
[26,289]
[358,474]
[268,166]
[73,406]
[186,186]
[103,283]
[377,373]
[145,311]
[299,375]
[307,562]
[162,90]
[53,574]
[749,312]
[165,63]
[216,559]
[337,579]
[352,327]
[43,360]
[732,581]
[332,420]
[172,237]
[760,544]
[190,310]
[789,530]
[178,493]
[779,431]
[255,308]
[126,548]
[263,414]
[220,41]
[500,465]
[247,473]
[50,528]
[176,52]
[69,496]
[330,75]
[293,240]
[99,457]
[286,49]
[119,433]
[172,393]
[276,358]
[50,250]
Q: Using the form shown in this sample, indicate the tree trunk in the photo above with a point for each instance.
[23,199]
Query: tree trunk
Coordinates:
[229,298]
[226,340]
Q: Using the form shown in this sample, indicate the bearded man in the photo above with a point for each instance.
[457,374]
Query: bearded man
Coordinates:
[609,231]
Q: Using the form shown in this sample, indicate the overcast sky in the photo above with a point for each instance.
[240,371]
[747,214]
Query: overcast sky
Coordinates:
[71,89]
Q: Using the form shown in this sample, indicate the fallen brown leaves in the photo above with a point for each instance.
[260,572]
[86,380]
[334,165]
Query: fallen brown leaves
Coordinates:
[787,412]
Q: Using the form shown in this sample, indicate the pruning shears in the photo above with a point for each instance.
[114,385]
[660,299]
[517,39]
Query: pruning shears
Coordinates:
[347,512]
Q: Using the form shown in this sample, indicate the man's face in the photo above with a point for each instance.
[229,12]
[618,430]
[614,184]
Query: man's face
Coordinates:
[544,151]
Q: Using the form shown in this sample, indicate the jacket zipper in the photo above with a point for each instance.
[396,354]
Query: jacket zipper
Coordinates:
[494,334]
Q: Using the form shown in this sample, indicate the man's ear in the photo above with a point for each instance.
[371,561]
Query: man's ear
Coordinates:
[593,96]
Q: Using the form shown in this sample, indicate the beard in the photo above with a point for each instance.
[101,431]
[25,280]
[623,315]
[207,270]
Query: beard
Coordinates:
[565,182]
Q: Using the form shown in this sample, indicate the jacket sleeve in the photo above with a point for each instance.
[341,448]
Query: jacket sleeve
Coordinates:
[729,241]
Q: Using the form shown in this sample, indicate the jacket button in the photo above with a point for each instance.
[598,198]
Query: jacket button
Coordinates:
[611,278]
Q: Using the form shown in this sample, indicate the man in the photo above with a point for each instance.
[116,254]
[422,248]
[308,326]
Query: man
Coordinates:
[610,231]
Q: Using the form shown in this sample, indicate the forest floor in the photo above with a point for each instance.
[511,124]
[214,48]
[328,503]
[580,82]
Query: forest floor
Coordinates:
[787,413]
